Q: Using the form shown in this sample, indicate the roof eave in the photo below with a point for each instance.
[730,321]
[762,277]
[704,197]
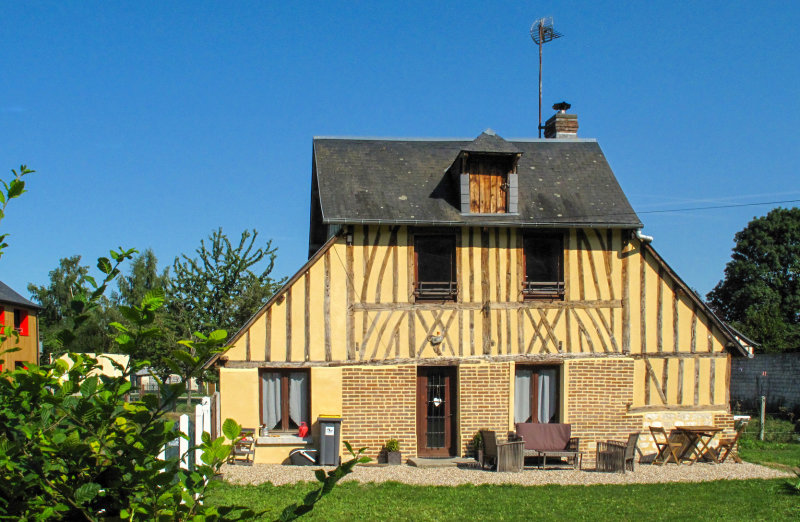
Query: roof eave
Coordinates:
[727,331]
[29,304]
[477,221]
[289,282]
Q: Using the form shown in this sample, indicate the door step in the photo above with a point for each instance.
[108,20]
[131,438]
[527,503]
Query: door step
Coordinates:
[452,462]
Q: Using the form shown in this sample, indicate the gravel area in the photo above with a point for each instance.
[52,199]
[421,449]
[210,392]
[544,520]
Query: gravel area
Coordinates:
[644,474]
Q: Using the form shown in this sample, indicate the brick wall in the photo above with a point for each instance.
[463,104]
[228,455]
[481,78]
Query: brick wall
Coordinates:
[597,395]
[378,404]
[483,391]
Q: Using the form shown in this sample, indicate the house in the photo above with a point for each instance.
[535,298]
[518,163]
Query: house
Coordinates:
[457,285]
[20,316]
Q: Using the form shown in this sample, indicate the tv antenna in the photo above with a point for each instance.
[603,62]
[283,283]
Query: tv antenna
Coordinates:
[542,32]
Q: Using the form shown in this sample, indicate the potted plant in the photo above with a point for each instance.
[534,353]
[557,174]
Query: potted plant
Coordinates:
[477,447]
[393,455]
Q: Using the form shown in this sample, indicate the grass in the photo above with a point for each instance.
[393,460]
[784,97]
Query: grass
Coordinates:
[721,500]
[781,447]
[775,430]
[786,454]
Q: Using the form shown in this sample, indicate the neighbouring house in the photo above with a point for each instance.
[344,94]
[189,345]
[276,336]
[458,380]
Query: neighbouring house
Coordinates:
[455,285]
[18,315]
[110,364]
[146,383]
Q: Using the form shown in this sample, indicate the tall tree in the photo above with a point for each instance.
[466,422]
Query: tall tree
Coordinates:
[142,280]
[68,282]
[142,277]
[760,293]
[225,284]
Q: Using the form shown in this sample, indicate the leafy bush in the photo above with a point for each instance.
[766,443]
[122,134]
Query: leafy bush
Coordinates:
[392,445]
[71,445]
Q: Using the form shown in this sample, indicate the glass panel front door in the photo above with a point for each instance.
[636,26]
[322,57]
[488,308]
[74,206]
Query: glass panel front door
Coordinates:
[436,411]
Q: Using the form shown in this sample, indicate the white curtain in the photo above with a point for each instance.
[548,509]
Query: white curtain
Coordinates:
[522,395]
[547,394]
[271,400]
[298,397]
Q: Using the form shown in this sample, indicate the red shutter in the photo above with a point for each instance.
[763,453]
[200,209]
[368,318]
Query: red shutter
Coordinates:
[23,324]
[2,321]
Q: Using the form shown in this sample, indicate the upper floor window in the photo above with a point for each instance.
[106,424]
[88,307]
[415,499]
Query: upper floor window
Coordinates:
[21,321]
[544,266]
[285,399]
[435,266]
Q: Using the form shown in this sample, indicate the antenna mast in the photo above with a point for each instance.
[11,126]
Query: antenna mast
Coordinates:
[542,32]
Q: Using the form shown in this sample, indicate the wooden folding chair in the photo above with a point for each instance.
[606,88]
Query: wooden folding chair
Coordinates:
[727,445]
[668,447]
[630,451]
[243,451]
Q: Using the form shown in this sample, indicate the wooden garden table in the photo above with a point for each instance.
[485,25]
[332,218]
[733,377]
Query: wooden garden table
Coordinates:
[697,441]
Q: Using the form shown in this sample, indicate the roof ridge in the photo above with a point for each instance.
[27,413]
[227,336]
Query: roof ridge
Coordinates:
[451,139]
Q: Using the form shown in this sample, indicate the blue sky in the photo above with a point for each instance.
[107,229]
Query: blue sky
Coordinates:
[152,123]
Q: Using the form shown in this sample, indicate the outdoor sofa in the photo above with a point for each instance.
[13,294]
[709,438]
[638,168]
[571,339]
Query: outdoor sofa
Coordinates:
[545,440]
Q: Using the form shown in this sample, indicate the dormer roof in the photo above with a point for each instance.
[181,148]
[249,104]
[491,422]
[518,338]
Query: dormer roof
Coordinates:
[490,143]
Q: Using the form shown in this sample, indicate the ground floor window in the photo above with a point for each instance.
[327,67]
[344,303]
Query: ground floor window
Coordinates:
[285,399]
[536,394]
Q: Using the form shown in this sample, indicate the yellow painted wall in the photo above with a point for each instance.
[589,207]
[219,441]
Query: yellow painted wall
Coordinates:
[326,396]
[239,397]
[240,401]
[275,454]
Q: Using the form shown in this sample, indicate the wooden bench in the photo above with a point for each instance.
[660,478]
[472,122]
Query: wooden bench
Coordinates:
[553,440]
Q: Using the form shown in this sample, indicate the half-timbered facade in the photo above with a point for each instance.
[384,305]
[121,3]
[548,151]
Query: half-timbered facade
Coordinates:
[458,285]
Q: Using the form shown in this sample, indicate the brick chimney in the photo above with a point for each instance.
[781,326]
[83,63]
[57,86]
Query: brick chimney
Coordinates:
[561,124]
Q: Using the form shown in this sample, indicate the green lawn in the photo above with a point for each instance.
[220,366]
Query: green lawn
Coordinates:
[722,500]
[780,448]
[770,453]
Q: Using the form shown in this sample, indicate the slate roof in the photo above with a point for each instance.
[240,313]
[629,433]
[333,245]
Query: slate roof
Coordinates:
[9,296]
[562,183]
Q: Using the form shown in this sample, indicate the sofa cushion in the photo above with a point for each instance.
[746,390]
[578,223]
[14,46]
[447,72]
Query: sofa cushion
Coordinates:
[544,437]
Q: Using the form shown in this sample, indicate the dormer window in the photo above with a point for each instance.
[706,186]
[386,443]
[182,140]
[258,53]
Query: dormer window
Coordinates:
[488,175]
[488,183]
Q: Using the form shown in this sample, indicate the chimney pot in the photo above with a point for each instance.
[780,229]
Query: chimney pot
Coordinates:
[561,124]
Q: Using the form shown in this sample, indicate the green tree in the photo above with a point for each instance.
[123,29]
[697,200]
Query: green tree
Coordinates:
[143,278]
[224,285]
[68,282]
[760,293]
